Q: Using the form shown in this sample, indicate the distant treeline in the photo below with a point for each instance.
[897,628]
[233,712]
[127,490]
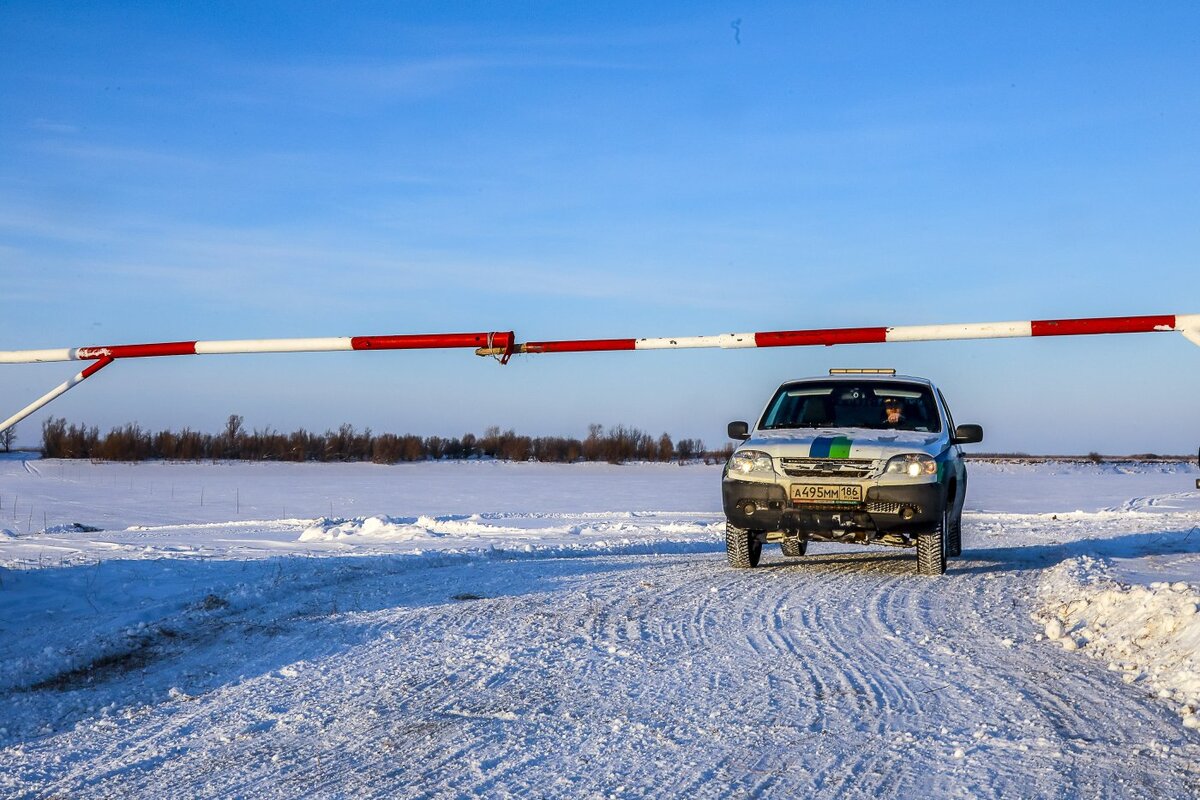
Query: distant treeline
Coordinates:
[1093,457]
[133,443]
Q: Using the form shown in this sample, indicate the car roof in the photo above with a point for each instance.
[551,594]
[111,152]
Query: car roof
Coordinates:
[861,378]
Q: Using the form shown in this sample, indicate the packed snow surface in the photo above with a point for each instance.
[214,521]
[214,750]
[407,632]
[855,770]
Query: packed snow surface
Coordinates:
[1149,633]
[517,630]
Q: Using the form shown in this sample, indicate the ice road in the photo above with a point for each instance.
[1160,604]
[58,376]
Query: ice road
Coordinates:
[526,630]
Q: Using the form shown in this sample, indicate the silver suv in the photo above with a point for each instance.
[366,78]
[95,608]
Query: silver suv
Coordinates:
[863,456]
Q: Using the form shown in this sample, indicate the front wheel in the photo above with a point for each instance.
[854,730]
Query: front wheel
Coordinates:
[742,547]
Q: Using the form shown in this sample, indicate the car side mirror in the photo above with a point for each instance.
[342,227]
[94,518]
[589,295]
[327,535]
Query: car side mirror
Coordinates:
[739,430]
[968,434]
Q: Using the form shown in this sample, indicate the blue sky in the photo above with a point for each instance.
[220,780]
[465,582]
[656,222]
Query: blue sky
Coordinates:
[232,170]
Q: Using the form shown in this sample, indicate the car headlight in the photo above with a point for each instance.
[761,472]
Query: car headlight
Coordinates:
[914,465]
[747,461]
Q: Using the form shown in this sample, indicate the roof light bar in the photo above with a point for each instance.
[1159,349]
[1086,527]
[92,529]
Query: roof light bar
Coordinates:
[850,371]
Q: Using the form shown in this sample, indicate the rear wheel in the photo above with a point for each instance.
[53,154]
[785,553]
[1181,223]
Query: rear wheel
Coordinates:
[931,548]
[954,537]
[743,548]
[794,548]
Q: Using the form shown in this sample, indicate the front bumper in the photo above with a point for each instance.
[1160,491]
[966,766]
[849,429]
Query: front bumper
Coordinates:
[893,508]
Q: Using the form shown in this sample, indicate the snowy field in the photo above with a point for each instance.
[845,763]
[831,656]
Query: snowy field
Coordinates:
[529,630]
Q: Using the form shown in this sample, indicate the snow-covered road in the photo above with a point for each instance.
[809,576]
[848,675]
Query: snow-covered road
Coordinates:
[595,647]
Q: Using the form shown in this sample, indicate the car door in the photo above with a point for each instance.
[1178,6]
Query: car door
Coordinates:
[957,463]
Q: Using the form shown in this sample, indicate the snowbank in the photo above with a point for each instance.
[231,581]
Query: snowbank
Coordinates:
[1150,633]
[73,527]
[599,532]
[376,528]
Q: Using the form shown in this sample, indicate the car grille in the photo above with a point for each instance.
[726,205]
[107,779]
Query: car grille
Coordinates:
[876,507]
[828,467]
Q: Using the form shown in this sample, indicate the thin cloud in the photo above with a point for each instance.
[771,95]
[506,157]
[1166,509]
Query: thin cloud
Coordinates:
[335,85]
[268,269]
[622,36]
[111,154]
[50,126]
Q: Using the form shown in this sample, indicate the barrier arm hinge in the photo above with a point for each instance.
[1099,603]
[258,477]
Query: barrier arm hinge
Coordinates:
[501,346]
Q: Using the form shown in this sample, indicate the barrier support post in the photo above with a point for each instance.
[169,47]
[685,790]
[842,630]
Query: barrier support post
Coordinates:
[78,378]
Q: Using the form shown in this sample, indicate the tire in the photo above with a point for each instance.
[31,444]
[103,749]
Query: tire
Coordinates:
[742,547]
[794,548]
[954,539]
[931,548]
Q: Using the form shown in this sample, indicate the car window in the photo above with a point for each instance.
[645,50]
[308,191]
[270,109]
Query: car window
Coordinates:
[945,405]
[846,404]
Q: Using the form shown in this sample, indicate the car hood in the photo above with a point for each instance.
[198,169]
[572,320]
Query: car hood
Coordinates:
[867,443]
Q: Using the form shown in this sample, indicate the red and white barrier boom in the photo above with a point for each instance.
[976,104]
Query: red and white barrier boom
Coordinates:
[103,356]
[503,344]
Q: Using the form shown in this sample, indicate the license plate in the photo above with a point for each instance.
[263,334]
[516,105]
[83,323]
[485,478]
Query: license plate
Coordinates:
[826,493]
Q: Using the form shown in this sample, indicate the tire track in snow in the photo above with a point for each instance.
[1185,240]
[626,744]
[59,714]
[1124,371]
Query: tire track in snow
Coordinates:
[866,696]
[1151,501]
[647,676]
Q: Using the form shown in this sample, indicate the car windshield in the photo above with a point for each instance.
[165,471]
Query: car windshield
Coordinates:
[845,404]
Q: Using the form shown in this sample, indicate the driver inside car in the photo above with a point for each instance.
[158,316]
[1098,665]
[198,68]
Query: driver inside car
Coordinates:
[893,411]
